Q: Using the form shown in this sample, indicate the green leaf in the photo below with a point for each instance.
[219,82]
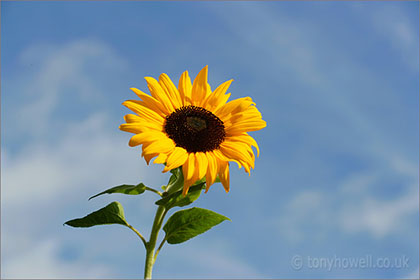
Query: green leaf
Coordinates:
[177,199]
[125,189]
[186,224]
[176,181]
[113,213]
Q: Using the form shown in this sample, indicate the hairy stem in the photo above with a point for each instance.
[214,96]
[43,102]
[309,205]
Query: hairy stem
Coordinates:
[160,247]
[151,245]
[153,190]
[138,234]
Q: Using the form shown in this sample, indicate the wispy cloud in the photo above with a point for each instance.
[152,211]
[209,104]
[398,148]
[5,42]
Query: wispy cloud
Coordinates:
[381,217]
[342,121]
[42,262]
[84,155]
[50,169]
[394,25]
[54,74]
[210,259]
[49,163]
[351,208]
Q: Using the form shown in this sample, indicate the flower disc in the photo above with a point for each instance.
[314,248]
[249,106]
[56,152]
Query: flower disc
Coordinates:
[195,129]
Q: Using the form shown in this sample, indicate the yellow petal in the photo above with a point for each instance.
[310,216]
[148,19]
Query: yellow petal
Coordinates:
[158,93]
[135,120]
[234,106]
[139,127]
[188,167]
[218,97]
[146,137]
[211,170]
[161,158]
[176,159]
[200,88]
[170,89]
[164,145]
[245,127]
[220,102]
[201,164]
[131,118]
[243,118]
[143,111]
[184,88]
[237,151]
[221,156]
[186,189]
[244,138]
[224,174]
[131,127]
[222,88]
[190,174]
[218,154]
[247,115]
[148,157]
[151,102]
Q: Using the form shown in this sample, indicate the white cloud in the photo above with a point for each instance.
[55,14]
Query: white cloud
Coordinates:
[308,209]
[62,154]
[283,38]
[41,170]
[294,46]
[40,261]
[351,208]
[357,184]
[404,167]
[68,69]
[392,23]
[211,259]
[83,155]
[379,217]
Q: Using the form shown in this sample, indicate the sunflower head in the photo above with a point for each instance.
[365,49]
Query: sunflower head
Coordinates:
[193,127]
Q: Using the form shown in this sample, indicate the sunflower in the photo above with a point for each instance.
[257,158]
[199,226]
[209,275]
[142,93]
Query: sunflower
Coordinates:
[193,127]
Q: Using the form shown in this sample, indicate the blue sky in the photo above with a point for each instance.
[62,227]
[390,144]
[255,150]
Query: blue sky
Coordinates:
[337,178]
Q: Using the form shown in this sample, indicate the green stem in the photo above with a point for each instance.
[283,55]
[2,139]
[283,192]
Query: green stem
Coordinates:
[153,190]
[150,246]
[160,247]
[138,234]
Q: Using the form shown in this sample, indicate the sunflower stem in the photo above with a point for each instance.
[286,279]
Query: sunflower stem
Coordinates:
[151,245]
[160,247]
[153,190]
[138,234]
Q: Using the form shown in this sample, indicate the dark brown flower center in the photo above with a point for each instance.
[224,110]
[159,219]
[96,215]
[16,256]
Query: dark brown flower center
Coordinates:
[195,129]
